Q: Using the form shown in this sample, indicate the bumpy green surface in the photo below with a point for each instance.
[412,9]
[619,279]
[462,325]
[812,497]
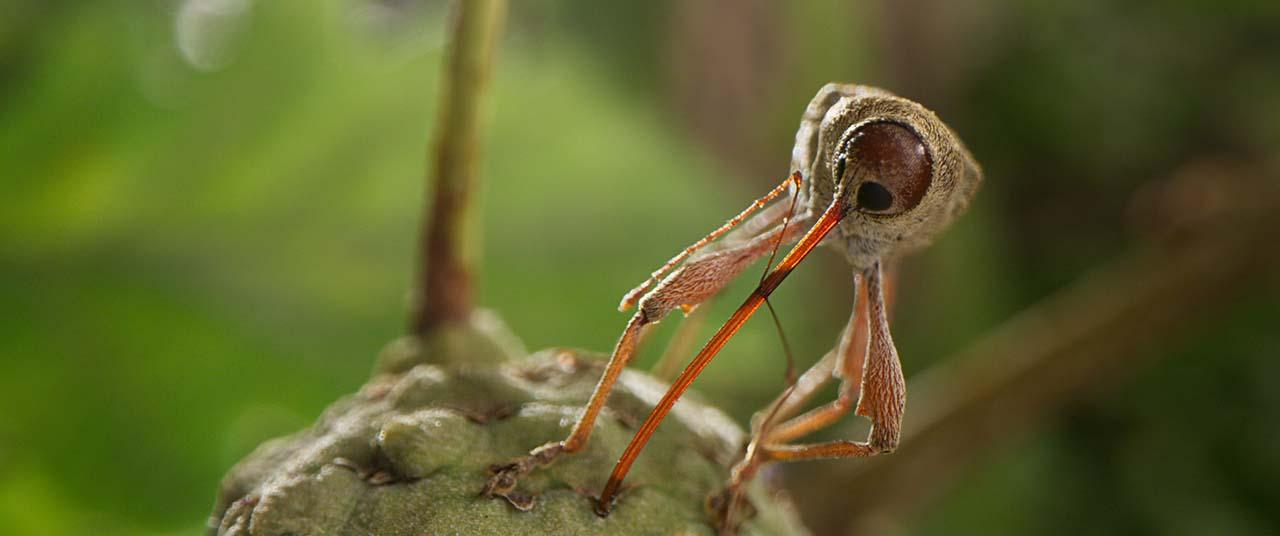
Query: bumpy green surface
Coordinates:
[408,454]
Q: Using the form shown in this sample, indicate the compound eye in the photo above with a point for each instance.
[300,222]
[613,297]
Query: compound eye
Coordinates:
[890,166]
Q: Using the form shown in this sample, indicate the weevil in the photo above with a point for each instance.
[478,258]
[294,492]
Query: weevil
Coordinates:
[874,176]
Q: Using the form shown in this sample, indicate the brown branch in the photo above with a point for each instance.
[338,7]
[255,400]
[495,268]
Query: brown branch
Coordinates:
[1051,354]
[449,252]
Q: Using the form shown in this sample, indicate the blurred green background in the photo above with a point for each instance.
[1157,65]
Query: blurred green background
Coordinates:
[208,217]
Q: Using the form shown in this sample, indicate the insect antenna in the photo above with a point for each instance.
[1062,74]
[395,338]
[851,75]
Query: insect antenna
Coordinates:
[735,495]
[773,255]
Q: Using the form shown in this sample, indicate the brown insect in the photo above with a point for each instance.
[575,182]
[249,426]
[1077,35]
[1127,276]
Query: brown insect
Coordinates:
[874,175]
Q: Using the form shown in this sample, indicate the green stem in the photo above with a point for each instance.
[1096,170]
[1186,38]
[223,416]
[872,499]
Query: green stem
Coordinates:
[450,247]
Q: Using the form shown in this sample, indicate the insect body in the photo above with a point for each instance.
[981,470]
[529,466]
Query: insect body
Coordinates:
[876,175]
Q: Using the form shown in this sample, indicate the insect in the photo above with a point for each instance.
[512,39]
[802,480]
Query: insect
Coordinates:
[874,175]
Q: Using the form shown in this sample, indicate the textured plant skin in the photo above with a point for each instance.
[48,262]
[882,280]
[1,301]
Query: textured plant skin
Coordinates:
[409,453]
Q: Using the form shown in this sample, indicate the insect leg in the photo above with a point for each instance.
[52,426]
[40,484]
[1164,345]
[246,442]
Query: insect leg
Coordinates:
[823,225]
[850,354]
[633,297]
[883,394]
[687,286]
[853,340]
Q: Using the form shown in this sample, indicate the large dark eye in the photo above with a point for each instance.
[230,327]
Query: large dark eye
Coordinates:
[889,165]
[874,197]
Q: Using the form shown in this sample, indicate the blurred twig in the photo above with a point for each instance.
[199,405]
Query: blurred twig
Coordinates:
[449,248]
[1047,356]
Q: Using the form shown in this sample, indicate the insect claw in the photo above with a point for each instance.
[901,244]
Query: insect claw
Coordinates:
[523,502]
[504,479]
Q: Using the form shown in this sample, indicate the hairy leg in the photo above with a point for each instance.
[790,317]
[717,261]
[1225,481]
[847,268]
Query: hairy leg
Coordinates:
[633,296]
[687,286]
[882,399]
[865,336]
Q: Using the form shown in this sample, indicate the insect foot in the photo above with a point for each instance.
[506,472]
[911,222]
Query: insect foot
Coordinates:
[507,475]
